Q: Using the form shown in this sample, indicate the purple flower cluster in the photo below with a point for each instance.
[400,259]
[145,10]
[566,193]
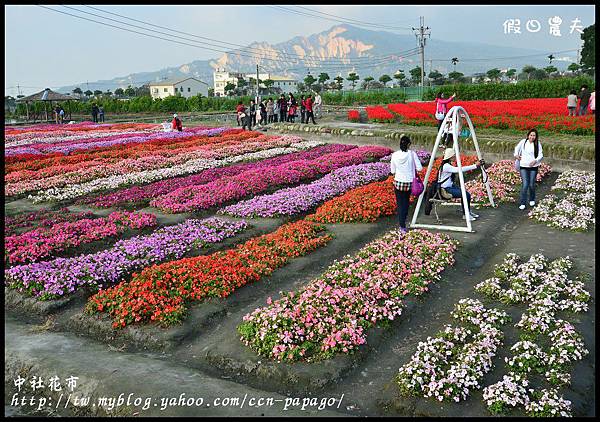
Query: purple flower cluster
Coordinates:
[62,276]
[304,197]
[147,192]
[256,181]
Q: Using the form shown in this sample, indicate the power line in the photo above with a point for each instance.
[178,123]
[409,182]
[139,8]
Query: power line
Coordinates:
[297,12]
[379,25]
[243,48]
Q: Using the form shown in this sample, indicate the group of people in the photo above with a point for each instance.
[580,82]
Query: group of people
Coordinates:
[97,113]
[404,164]
[281,109]
[586,100]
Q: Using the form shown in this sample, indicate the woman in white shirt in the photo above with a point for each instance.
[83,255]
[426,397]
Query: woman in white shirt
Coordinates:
[446,179]
[403,165]
[529,153]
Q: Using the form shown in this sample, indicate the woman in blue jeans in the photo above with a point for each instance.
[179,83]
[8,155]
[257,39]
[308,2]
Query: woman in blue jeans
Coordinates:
[403,165]
[529,153]
[446,178]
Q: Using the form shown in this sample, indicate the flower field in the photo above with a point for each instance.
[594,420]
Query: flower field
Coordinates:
[549,114]
[277,261]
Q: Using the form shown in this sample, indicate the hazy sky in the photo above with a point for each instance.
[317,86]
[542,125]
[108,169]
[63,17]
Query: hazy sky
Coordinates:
[44,48]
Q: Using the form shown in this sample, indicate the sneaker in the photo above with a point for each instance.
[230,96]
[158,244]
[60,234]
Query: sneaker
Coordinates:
[473,214]
[469,217]
[531,203]
[521,207]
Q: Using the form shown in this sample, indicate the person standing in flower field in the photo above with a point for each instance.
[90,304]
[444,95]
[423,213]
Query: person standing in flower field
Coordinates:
[275,110]
[239,110]
[441,107]
[572,103]
[403,165]
[101,114]
[302,109]
[309,109]
[317,104]
[94,113]
[270,110]
[529,153]
[283,108]
[176,123]
[584,100]
[593,102]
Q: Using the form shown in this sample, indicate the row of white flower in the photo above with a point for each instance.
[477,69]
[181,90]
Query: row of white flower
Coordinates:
[466,351]
[575,210]
[547,289]
[148,176]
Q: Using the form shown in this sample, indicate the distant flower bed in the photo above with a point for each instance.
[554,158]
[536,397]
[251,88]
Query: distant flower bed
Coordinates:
[44,218]
[547,113]
[353,115]
[379,114]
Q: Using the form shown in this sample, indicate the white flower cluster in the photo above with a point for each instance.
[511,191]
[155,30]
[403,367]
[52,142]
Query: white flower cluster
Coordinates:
[148,176]
[575,210]
[549,404]
[510,392]
[547,289]
[466,353]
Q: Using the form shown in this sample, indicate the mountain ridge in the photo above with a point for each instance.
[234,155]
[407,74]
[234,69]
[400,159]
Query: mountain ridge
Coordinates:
[368,52]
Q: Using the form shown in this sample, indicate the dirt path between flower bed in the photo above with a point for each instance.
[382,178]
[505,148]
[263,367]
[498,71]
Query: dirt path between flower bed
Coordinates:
[204,355]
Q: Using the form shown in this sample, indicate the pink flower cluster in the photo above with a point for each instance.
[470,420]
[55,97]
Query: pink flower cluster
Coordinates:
[44,242]
[332,314]
[255,181]
[505,183]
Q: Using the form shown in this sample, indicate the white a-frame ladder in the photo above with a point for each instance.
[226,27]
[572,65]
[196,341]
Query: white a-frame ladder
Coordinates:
[453,119]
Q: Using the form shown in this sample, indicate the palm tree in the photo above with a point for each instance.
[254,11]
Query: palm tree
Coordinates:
[454,62]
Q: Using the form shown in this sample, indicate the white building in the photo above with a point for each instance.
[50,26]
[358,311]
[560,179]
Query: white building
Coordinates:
[222,78]
[187,87]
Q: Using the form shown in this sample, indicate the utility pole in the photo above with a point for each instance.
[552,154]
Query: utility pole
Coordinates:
[256,85]
[18,90]
[421,33]
[577,56]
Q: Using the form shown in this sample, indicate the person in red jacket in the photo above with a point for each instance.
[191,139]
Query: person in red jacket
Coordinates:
[309,109]
[176,123]
[240,109]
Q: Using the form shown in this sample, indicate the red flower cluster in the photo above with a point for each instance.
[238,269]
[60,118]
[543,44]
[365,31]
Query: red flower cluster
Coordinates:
[353,115]
[162,292]
[379,114]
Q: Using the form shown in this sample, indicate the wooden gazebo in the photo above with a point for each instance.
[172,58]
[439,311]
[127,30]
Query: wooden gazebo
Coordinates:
[47,96]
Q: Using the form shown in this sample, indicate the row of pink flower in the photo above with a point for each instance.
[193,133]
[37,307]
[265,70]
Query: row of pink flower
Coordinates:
[505,182]
[69,147]
[22,132]
[43,218]
[44,242]
[153,190]
[333,312]
[132,165]
[67,136]
[251,182]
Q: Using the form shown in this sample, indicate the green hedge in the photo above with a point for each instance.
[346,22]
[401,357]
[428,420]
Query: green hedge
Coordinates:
[147,104]
[551,88]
